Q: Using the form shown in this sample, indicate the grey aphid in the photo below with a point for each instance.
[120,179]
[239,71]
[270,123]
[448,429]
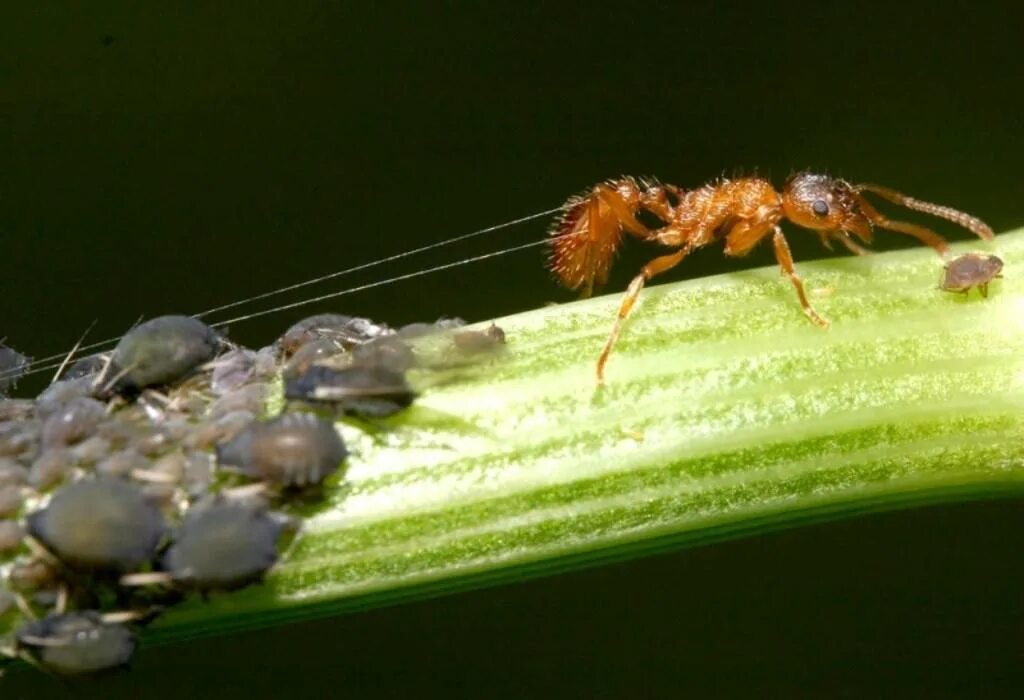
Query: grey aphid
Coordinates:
[223,546]
[12,365]
[294,449]
[160,351]
[73,422]
[346,330]
[367,391]
[76,643]
[99,524]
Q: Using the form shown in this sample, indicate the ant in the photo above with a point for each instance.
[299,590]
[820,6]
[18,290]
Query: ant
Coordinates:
[740,212]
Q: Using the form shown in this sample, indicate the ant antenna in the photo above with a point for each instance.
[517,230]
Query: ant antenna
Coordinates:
[971,223]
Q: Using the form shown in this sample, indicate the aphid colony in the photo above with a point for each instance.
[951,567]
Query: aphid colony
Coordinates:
[144,474]
[739,213]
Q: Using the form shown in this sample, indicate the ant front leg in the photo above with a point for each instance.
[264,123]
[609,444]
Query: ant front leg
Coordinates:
[655,267]
[785,259]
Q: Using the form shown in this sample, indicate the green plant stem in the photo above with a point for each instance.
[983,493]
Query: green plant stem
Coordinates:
[725,412]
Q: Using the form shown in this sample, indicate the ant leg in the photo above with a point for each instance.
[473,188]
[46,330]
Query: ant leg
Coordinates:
[854,247]
[655,267]
[785,259]
[925,235]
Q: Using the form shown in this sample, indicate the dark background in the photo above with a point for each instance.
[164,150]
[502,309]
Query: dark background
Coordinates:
[171,159]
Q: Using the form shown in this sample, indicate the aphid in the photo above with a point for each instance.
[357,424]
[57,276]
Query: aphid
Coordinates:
[50,468]
[739,212]
[103,524]
[11,534]
[294,449]
[479,341]
[417,330]
[223,545]
[16,409]
[85,367]
[12,473]
[313,352]
[971,270]
[12,365]
[347,330]
[251,397]
[19,439]
[59,394]
[230,371]
[160,351]
[76,643]
[371,392]
[73,422]
[387,352]
[219,429]
[10,501]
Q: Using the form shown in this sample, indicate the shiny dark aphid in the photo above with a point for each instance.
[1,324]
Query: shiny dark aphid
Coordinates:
[160,351]
[294,449]
[971,270]
[367,391]
[223,546]
[346,330]
[12,365]
[76,643]
[99,524]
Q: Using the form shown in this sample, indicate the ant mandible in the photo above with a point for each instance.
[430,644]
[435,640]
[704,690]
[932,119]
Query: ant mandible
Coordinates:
[739,212]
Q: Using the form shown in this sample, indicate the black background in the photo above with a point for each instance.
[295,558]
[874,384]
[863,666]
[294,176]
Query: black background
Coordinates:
[170,159]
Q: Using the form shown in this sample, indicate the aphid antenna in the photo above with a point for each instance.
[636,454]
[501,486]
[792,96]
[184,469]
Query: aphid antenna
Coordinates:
[23,607]
[101,376]
[110,342]
[37,548]
[67,358]
[120,375]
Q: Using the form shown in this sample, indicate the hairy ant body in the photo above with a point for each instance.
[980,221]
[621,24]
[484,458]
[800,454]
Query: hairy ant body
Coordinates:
[739,212]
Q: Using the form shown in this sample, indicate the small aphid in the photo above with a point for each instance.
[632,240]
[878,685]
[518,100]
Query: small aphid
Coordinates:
[33,574]
[59,394]
[418,330]
[11,501]
[12,473]
[231,370]
[16,409]
[346,330]
[250,397]
[740,213]
[220,429]
[971,270]
[160,351]
[387,352]
[103,524]
[294,449]
[19,439]
[76,643]
[479,341]
[11,535]
[370,392]
[122,463]
[313,352]
[73,422]
[50,468]
[85,367]
[223,546]
[12,365]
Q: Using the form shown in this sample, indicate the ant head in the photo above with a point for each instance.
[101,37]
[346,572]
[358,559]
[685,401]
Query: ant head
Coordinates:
[823,203]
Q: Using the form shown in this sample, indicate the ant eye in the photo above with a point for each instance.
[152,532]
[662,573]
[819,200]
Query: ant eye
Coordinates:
[820,207]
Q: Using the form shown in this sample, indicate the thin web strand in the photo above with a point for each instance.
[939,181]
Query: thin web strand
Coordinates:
[110,342]
[350,290]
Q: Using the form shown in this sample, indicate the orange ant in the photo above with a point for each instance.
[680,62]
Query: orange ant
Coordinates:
[739,212]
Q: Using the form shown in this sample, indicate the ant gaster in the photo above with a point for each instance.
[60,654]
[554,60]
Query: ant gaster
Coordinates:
[740,212]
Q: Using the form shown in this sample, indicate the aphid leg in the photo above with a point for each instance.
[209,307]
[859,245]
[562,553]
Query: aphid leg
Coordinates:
[785,259]
[146,578]
[983,288]
[655,267]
